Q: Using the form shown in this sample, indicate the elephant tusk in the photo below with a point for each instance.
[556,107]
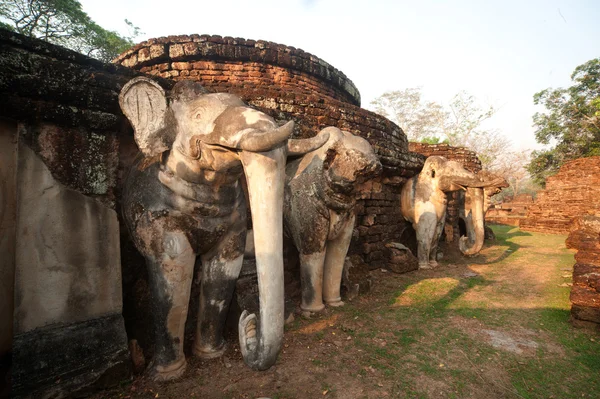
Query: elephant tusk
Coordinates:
[303,146]
[261,141]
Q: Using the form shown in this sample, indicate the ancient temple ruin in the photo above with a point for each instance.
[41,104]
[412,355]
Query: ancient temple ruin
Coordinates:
[290,84]
[67,147]
[572,192]
[510,212]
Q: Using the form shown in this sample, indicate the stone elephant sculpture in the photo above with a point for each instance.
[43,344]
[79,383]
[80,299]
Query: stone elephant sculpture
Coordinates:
[184,199]
[423,203]
[319,213]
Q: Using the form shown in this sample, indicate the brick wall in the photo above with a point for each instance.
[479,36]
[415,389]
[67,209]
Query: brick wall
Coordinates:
[511,211]
[585,292]
[573,191]
[235,64]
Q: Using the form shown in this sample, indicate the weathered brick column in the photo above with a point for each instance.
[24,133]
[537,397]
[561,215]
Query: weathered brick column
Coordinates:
[585,292]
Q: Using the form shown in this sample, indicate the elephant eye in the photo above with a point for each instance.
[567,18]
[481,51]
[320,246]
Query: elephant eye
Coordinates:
[432,173]
[198,116]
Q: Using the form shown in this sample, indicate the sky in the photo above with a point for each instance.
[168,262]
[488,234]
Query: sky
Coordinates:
[502,52]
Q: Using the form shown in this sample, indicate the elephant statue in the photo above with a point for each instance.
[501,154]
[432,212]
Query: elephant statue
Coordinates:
[423,203]
[473,204]
[184,199]
[320,195]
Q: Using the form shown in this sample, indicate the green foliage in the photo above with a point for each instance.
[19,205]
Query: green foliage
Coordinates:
[63,22]
[571,122]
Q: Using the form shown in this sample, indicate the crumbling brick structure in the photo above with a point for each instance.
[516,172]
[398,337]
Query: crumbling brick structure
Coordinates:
[468,158]
[585,292]
[573,191]
[510,212]
[290,84]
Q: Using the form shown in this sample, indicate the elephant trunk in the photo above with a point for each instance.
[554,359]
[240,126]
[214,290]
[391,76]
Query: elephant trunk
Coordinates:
[474,220]
[261,339]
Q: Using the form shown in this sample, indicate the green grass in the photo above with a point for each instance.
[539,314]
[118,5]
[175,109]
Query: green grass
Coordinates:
[566,363]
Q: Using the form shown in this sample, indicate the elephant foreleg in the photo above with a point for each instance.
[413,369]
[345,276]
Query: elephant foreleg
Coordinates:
[311,278]
[220,271]
[426,229]
[170,279]
[334,264]
[436,240]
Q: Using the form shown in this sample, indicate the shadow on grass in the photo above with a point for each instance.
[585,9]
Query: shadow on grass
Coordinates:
[504,238]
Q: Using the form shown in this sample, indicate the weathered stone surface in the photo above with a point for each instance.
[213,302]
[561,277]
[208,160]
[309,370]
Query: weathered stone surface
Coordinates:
[8,220]
[67,281]
[67,253]
[70,360]
[401,258]
[64,110]
[573,191]
[68,109]
[585,292]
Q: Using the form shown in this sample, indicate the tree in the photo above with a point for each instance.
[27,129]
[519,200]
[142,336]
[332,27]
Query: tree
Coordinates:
[459,124]
[512,166]
[570,124]
[63,22]
[464,128]
[418,119]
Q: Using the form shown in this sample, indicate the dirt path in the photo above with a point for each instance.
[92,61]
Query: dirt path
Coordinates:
[493,326]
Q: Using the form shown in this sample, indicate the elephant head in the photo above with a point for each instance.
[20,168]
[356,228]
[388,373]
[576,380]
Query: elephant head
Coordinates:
[204,142]
[343,161]
[348,159]
[473,204]
[447,176]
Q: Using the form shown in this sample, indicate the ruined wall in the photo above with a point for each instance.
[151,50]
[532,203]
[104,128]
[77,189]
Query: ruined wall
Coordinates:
[59,160]
[510,212]
[469,160]
[573,191]
[290,84]
[237,65]
[585,292]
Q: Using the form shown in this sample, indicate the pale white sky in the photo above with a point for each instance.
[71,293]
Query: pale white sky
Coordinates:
[500,51]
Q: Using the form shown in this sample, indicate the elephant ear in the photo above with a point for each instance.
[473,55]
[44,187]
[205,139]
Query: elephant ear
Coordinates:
[144,103]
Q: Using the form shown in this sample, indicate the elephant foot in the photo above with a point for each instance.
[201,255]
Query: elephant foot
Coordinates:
[312,308]
[336,303]
[433,264]
[207,352]
[247,333]
[425,266]
[169,372]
